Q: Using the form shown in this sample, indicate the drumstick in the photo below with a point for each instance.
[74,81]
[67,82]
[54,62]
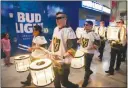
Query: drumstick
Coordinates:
[24,46]
[48,52]
[81,39]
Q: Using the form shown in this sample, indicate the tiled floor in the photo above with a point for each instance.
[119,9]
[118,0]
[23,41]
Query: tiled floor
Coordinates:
[11,78]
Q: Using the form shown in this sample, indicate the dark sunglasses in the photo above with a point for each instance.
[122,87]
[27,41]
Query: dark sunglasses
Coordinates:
[86,24]
[57,18]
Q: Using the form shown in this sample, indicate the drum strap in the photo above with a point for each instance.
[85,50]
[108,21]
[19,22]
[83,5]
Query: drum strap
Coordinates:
[119,34]
[99,31]
[63,57]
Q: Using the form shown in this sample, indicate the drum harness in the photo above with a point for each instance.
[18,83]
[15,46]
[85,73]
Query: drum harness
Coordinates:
[102,38]
[116,44]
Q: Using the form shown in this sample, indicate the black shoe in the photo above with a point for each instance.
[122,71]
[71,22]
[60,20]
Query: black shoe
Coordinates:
[26,83]
[101,60]
[85,84]
[117,69]
[111,73]
[107,71]
[123,60]
[91,72]
[76,86]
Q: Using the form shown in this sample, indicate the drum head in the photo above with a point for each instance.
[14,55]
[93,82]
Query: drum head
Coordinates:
[21,57]
[79,54]
[37,54]
[40,64]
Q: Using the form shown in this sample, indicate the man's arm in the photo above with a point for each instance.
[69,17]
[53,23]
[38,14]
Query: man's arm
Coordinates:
[96,41]
[71,43]
[44,46]
[71,46]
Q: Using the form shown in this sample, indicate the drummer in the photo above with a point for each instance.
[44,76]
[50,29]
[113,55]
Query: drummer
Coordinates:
[38,40]
[101,30]
[89,42]
[116,48]
[64,44]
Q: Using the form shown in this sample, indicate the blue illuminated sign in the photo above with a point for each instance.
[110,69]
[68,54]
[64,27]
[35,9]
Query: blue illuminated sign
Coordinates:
[95,6]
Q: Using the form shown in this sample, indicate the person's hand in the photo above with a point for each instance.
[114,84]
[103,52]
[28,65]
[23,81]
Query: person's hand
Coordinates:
[30,49]
[78,41]
[57,64]
[95,46]
[35,47]
[66,54]
[49,48]
[55,57]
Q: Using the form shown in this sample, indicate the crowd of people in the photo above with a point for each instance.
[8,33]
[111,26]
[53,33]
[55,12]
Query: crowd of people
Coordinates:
[65,42]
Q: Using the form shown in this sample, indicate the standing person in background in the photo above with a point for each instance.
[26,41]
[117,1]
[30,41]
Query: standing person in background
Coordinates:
[102,33]
[6,47]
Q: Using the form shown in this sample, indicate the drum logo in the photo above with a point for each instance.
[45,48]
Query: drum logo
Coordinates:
[56,43]
[84,42]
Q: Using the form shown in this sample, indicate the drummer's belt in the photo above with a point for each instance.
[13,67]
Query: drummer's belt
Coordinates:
[102,38]
[116,45]
[97,42]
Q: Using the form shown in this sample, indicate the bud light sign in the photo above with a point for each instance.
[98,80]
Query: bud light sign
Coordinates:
[24,26]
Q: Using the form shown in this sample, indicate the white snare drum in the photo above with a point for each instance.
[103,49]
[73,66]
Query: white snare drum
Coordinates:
[78,61]
[22,62]
[42,72]
[36,55]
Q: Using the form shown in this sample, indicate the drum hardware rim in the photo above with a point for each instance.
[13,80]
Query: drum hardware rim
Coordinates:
[22,58]
[44,85]
[40,63]
[78,68]
[22,71]
[40,68]
[79,56]
[34,57]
